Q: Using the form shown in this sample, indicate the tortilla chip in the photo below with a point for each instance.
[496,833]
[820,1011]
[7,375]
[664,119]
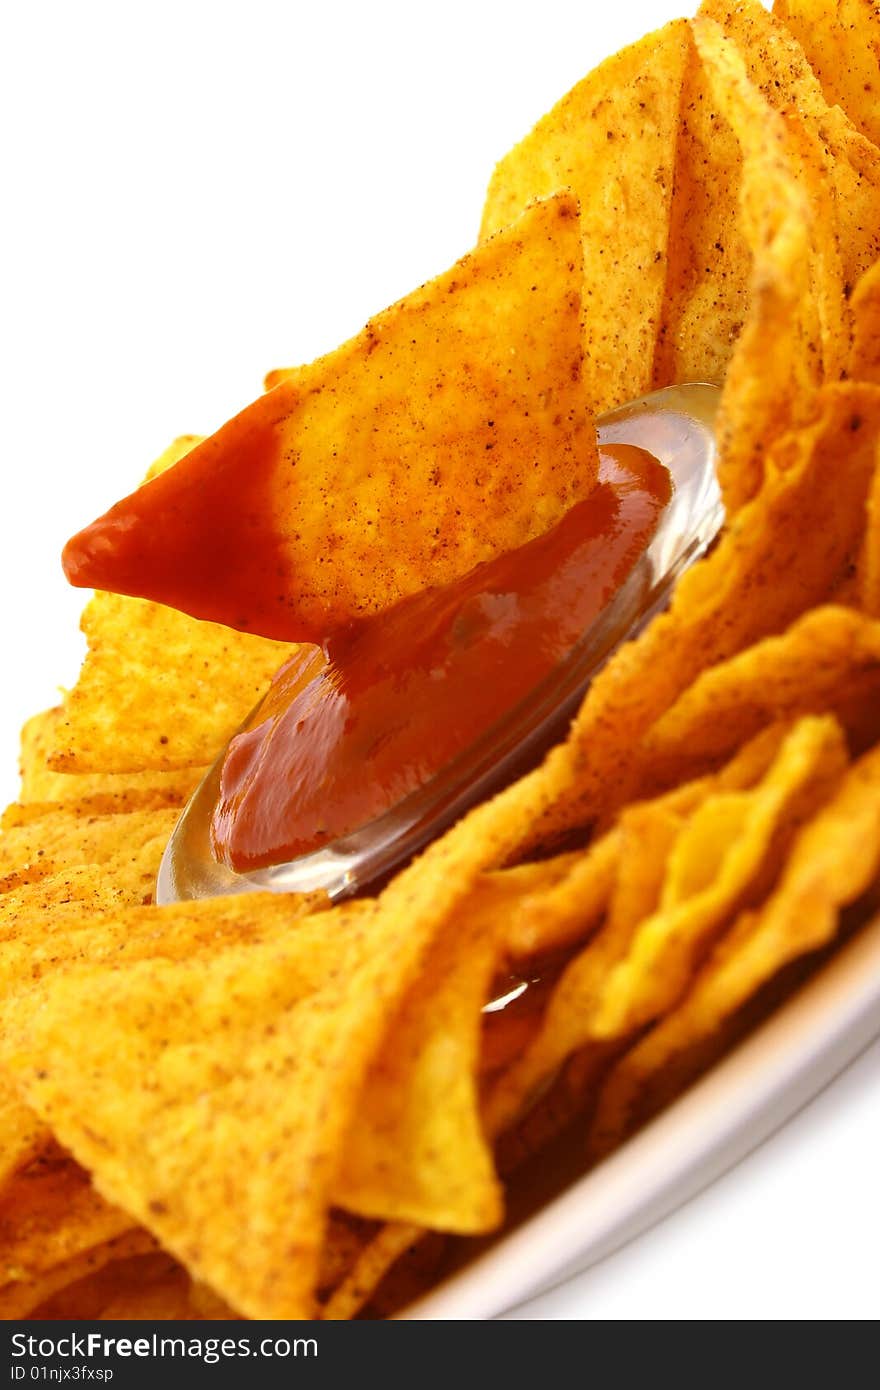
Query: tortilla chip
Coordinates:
[69,840]
[758,579]
[708,260]
[39,784]
[611,141]
[24,877]
[644,838]
[119,803]
[841,40]
[777,65]
[777,364]
[253,1073]
[50,1213]
[153,1288]
[59,1291]
[869,576]
[460,399]
[558,914]
[52,926]
[409,1156]
[650,838]
[345,1237]
[177,449]
[390,1245]
[23,1137]
[727,849]
[834,859]
[158,690]
[865,360]
[828,661]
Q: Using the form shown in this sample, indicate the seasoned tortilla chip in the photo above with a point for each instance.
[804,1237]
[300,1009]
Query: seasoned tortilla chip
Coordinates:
[49,1214]
[554,915]
[23,1137]
[841,40]
[52,926]
[834,859]
[865,360]
[777,364]
[254,1074]
[70,841]
[653,831]
[153,1288]
[460,400]
[611,141]
[68,1289]
[358,1287]
[644,838]
[756,582]
[708,259]
[729,846]
[776,63]
[158,690]
[869,577]
[21,814]
[39,784]
[828,661]
[637,850]
[411,1156]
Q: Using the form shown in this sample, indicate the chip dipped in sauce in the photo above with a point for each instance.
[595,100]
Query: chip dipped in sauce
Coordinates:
[348,731]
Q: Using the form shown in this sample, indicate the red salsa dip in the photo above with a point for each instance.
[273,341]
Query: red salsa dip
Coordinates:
[349,730]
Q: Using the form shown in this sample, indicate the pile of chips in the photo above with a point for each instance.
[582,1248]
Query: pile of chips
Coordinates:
[262,1106]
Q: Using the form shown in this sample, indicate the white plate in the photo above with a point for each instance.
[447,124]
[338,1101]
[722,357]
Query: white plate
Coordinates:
[737,1105]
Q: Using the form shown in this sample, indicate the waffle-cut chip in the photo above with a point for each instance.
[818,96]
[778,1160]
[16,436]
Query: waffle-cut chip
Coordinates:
[828,661]
[409,1155]
[834,860]
[68,840]
[458,401]
[40,784]
[611,140]
[728,847]
[234,1099]
[841,39]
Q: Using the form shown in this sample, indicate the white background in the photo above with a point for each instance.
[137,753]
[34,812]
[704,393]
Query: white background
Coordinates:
[196,193]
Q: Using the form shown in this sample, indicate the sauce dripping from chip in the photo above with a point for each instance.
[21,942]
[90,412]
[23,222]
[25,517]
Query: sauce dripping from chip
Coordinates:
[348,731]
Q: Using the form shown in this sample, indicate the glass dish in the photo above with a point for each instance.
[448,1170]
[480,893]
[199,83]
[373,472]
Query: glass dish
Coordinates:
[676,425]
